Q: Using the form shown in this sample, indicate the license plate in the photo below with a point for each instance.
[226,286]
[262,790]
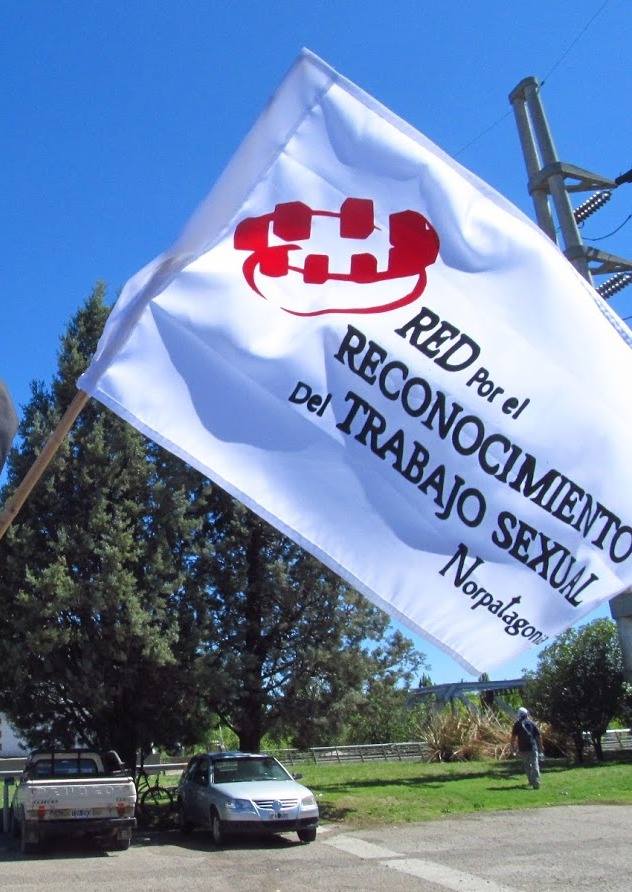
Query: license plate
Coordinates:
[80,813]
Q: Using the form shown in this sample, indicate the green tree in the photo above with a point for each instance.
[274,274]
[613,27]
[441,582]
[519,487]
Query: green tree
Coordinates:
[97,640]
[578,683]
[382,710]
[138,600]
[290,645]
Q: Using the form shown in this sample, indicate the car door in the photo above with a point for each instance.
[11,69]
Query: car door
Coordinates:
[198,792]
[186,789]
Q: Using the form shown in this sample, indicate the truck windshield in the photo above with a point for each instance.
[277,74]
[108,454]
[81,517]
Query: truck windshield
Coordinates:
[63,767]
[232,771]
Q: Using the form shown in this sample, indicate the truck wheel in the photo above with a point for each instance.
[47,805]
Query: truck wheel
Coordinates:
[120,845]
[217,828]
[307,835]
[26,845]
[14,825]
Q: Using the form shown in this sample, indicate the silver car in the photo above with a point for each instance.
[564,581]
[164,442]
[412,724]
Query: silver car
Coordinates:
[231,792]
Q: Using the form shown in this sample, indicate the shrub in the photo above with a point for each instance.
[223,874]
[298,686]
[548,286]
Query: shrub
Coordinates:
[456,734]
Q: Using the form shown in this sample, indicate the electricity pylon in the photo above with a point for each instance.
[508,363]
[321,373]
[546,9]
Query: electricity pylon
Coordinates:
[553,181]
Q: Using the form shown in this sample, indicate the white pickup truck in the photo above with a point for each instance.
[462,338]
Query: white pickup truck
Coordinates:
[72,793]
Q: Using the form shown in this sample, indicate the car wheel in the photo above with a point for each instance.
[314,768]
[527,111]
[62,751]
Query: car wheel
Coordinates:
[217,828]
[185,826]
[307,835]
[14,824]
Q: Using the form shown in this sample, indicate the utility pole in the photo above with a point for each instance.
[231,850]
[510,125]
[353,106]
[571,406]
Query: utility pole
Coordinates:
[552,181]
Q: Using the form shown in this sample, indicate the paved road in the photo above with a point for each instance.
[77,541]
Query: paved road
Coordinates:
[559,849]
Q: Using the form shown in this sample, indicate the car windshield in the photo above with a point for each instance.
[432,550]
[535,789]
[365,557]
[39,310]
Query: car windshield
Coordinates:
[234,771]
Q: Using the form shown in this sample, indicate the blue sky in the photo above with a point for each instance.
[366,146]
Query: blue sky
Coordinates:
[117,117]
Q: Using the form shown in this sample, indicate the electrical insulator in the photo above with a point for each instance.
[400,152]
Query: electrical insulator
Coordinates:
[614,284]
[591,205]
[624,177]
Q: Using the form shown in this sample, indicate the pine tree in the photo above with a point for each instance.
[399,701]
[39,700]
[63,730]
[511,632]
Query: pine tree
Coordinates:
[138,600]
[295,647]
[96,640]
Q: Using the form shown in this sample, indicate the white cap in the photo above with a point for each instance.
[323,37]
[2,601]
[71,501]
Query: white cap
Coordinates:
[523,711]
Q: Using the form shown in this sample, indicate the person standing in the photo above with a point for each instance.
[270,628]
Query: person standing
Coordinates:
[527,740]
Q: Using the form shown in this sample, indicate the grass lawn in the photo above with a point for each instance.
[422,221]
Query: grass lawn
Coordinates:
[362,794]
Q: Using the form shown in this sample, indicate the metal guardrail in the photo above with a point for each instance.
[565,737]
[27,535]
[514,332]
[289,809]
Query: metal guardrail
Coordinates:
[612,741]
[369,752]
[150,768]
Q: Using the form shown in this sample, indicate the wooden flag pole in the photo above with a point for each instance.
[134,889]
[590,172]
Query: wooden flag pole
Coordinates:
[42,461]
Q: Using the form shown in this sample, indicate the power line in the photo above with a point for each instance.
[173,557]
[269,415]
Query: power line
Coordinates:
[548,74]
[602,237]
[482,134]
[573,42]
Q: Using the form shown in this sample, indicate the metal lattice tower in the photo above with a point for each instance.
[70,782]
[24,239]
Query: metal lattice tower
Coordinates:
[552,181]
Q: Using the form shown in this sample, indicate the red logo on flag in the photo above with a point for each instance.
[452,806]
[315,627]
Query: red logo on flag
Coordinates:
[413,246]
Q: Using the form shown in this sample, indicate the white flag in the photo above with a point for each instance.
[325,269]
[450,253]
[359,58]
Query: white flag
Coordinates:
[386,360]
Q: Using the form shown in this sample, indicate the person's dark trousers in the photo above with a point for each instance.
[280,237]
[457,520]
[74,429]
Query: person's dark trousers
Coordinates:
[531,763]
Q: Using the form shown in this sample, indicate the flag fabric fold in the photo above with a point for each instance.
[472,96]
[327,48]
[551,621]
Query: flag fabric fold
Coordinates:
[8,423]
[389,362]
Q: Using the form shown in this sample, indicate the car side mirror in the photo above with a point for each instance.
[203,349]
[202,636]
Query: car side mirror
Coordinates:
[297,776]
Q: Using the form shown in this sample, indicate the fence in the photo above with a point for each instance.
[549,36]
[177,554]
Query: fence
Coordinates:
[616,740]
[10,769]
[369,752]
[612,741]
